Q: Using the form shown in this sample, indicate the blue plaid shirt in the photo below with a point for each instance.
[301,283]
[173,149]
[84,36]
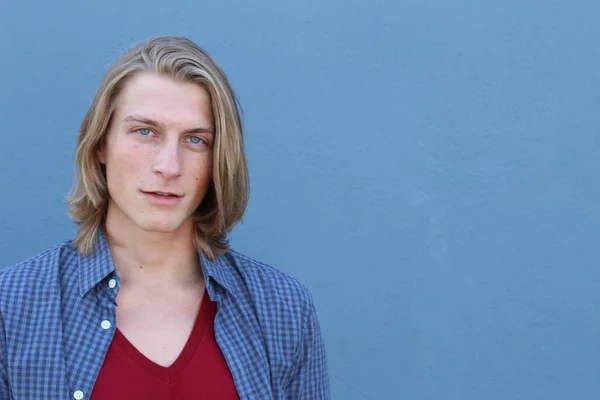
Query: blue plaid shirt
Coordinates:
[58,315]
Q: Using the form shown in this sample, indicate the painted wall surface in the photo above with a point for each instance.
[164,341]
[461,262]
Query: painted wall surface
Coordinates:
[429,169]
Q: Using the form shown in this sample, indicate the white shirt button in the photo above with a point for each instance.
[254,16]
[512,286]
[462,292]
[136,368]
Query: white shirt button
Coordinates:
[78,395]
[105,324]
[112,283]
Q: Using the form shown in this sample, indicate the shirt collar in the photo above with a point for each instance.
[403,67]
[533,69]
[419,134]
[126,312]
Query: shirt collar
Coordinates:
[220,270]
[96,266]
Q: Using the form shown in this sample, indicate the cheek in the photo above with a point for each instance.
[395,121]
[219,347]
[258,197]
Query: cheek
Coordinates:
[202,178]
[133,157]
[125,163]
[200,168]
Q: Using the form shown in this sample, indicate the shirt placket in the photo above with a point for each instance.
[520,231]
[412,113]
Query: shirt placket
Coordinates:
[99,330]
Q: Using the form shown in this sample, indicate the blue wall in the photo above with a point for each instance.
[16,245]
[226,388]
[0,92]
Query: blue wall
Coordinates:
[429,169]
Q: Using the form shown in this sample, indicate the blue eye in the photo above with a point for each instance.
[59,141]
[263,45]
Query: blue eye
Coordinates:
[196,140]
[144,131]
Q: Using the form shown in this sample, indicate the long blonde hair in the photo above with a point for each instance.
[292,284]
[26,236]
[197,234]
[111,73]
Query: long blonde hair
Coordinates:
[226,200]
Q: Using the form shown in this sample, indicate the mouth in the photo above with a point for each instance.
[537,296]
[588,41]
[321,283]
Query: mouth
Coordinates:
[160,197]
[165,194]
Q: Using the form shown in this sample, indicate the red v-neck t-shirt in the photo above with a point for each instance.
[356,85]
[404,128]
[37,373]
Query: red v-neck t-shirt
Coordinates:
[200,371]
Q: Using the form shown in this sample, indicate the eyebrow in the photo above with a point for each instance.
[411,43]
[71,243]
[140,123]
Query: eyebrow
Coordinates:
[156,124]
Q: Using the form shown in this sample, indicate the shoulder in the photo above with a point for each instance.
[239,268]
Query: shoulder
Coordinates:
[35,273]
[279,301]
[267,282]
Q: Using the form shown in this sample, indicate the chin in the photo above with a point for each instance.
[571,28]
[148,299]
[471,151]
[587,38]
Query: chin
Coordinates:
[160,226]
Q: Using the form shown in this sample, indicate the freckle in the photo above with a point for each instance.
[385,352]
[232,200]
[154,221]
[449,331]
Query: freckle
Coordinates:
[196,179]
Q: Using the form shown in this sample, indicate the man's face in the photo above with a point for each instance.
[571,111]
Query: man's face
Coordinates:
[160,140]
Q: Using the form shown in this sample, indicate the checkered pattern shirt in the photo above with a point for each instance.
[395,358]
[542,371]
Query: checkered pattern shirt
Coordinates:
[58,314]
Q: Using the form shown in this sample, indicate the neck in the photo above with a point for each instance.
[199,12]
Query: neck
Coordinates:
[147,259]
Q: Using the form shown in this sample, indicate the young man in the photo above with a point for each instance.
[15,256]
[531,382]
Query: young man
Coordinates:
[149,302]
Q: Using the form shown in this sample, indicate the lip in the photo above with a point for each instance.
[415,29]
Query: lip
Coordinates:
[163,200]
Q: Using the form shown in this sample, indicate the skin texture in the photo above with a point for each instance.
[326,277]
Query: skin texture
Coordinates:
[151,244]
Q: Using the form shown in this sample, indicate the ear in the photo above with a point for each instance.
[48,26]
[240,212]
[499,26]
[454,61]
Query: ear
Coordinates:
[101,156]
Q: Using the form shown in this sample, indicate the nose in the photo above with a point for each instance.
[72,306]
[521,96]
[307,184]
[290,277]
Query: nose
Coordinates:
[167,162]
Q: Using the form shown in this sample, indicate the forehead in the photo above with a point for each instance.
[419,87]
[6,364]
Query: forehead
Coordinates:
[165,99]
